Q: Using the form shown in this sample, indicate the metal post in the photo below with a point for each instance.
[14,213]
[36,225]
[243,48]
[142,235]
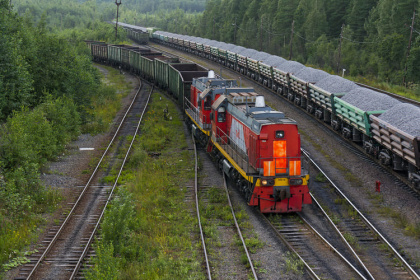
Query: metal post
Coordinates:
[118,3]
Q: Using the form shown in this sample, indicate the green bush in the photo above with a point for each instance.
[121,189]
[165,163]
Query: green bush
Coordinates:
[27,140]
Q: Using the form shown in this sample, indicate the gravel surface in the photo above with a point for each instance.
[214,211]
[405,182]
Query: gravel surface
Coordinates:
[404,116]
[259,55]
[237,49]
[274,60]
[290,66]
[336,84]
[311,75]
[369,100]
[247,52]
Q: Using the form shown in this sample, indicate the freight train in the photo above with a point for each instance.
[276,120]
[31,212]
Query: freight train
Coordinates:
[258,148]
[386,128]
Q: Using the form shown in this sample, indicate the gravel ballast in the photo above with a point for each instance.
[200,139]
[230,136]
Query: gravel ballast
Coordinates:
[311,75]
[369,100]
[336,84]
[273,60]
[290,66]
[404,116]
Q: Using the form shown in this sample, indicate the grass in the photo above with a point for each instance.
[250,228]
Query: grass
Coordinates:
[398,89]
[351,239]
[320,178]
[293,263]
[148,231]
[106,105]
[401,221]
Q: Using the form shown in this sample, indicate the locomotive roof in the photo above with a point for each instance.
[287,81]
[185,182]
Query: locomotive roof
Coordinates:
[203,83]
[246,111]
[256,117]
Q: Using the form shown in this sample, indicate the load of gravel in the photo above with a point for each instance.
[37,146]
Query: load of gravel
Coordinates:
[290,66]
[273,60]
[247,52]
[336,84]
[237,49]
[210,43]
[217,44]
[205,41]
[226,47]
[198,40]
[369,100]
[259,56]
[229,47]
[404,116]
[311,75]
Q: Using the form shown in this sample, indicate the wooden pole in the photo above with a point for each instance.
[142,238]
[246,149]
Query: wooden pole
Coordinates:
[409,47]
[234,33]
[339,49]
[291,41]
[261,34]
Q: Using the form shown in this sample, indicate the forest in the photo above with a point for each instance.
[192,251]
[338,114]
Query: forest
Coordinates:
[368,38]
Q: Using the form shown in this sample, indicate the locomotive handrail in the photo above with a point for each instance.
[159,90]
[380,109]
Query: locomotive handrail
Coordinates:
[195,114]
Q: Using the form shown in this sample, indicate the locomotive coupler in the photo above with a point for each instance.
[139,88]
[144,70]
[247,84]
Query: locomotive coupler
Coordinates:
[281,192]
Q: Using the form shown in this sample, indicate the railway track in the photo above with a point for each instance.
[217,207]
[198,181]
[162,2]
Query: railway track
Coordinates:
[375,253]
[238,229]
[66,247]
[203,241]
[319,257]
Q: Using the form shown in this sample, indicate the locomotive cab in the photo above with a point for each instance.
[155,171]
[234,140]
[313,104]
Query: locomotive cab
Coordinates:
[204,92]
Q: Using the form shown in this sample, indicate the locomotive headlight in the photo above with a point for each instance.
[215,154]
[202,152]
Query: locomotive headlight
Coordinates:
[295,182]
[267,182]
[279,134]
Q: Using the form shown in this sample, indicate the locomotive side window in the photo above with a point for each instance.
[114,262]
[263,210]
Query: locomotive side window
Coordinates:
[280,134]
[221,115]
[207,104]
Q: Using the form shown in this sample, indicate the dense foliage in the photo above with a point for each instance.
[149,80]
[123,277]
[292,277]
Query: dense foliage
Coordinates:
[374,34]
[152,6]
[48,88]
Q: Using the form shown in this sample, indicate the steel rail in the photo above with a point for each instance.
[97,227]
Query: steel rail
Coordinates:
[332,247]
[50,245]
[312,273]
[365,220]
[239,229]
[344,240]
[87,247]
[198,210]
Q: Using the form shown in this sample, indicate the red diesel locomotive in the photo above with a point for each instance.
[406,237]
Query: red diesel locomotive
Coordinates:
[257,147]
